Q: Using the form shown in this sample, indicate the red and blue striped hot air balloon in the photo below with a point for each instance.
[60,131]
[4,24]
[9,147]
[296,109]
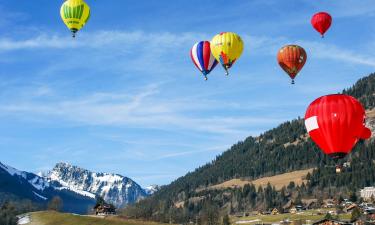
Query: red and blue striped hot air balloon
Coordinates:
[202,57]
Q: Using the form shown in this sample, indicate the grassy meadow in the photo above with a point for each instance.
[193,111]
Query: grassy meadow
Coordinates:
[309,215]
[54,218]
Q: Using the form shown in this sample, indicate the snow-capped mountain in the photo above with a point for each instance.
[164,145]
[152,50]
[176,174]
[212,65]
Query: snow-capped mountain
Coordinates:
[36,181]
[152,189]
[76,186]
[18,185]
[114,188]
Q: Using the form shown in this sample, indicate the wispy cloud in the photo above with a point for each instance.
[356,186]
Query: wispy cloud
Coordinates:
[143,109]
[100,39]
[151,45]
[217,149]
[332,52]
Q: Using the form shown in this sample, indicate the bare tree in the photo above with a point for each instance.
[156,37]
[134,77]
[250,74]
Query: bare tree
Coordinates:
[55,204]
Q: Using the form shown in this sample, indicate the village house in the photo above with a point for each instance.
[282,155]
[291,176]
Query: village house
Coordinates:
[367,193]
[104,209]
[275,211]
[350,208]
[310,203]
[293,210]
[329,203]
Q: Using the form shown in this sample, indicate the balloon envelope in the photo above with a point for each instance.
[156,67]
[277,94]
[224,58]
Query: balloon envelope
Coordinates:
[321,22]
[202,57]
[227,47]
[291,59]
[75,14]
[336,123]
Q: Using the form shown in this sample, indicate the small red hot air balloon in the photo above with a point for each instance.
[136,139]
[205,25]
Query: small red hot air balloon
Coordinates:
[336,123]
[321,21]
[291,58]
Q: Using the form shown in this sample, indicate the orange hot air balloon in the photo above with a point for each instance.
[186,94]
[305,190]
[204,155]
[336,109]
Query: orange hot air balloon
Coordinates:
[291,58]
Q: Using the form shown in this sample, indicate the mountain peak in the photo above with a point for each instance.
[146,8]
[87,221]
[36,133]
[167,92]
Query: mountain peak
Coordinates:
[67,166]
[152,189]
[114,188]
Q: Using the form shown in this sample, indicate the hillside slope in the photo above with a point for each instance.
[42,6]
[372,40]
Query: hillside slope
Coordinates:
[283,149]
[278,181]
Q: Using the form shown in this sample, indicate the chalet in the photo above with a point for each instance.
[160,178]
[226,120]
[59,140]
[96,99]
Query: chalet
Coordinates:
[311,203]
[339,169]
[329,203]
[300,208]
[293,210]
[104,209]
[331,222]
[350,208]
[275,211]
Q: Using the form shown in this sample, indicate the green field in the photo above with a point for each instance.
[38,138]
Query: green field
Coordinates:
[54,218]
[312,215]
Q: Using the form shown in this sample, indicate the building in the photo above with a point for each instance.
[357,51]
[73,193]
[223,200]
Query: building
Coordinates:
[104,209]
[350,208]
[275,211]
[293,210]
[329,203]
[310,203]
[367,193]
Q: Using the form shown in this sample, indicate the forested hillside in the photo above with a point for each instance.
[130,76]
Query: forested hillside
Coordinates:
[280,150]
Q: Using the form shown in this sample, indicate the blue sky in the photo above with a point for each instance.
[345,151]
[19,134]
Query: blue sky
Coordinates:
[124,96]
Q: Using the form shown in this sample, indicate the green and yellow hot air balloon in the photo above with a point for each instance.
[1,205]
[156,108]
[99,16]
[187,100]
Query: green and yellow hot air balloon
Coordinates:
[75,14]
[227,47]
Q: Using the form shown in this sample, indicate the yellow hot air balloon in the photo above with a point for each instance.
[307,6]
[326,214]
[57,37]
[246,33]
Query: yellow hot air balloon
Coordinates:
[227,47]
[75,14]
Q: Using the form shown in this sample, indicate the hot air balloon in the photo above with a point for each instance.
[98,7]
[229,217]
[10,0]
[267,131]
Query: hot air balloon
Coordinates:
[227,47]
[336,123]
[202,57]
[75,14]
[321,21]
[291,58]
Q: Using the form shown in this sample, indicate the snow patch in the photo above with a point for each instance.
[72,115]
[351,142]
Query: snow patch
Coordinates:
[12,171]
[40,196]
[39,183]
[24,219]
[152,189]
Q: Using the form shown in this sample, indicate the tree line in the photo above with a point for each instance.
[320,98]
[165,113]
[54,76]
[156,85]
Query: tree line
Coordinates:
[283,149]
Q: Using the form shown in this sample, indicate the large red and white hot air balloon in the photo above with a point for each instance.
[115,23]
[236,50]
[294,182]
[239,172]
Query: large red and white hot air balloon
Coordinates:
[336,123]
